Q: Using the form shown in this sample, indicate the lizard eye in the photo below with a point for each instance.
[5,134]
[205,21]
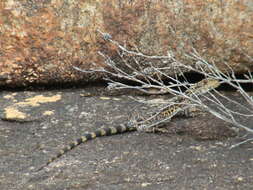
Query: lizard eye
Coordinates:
[107,36]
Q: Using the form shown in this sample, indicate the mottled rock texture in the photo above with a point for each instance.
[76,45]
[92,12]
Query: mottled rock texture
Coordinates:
[40,41]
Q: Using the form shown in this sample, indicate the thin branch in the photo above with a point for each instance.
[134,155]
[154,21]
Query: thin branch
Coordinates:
[152,76]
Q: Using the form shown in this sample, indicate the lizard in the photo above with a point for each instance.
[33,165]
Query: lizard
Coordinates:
[164,114]
[179,104]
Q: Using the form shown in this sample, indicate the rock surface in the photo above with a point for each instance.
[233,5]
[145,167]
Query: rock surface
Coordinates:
[41,40]
[135,160]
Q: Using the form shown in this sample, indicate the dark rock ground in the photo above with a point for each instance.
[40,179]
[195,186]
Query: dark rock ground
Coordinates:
[194,154]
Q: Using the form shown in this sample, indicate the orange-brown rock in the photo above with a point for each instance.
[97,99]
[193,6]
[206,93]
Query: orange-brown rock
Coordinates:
[40,41]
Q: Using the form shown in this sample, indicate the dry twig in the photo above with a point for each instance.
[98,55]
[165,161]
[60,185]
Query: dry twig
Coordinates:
[151,76]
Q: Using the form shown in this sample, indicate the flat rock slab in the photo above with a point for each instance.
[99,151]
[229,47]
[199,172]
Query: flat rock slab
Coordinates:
[36,124]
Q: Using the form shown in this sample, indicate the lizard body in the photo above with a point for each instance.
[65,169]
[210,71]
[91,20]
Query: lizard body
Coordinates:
[179,103]
[163,115]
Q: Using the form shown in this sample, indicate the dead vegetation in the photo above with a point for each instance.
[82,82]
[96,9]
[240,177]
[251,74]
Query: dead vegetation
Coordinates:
[148,75]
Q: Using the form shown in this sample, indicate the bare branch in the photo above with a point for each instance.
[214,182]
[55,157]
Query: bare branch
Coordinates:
[151,76]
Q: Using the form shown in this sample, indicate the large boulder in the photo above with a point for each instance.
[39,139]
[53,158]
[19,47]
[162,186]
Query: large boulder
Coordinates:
[40,41]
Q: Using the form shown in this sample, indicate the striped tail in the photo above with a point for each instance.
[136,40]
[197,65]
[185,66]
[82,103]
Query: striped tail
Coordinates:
[89,136]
